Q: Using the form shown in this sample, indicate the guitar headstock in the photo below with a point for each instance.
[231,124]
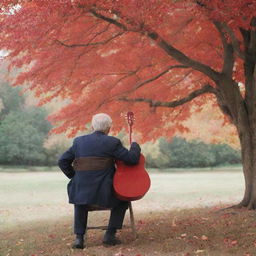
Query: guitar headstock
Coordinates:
[130,118]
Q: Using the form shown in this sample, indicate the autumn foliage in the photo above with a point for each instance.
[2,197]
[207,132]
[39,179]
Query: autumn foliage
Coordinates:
[101,55]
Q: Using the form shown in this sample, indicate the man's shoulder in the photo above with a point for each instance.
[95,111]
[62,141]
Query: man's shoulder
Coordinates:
[107,138]
[112,138]
[78,138]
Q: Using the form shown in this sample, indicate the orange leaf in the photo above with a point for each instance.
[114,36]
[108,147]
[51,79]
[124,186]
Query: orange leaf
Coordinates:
[203,237]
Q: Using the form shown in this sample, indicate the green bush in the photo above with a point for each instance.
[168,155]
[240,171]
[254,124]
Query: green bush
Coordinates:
[11,99]
[23,130]
[22,135]
[180,153]
[224,154]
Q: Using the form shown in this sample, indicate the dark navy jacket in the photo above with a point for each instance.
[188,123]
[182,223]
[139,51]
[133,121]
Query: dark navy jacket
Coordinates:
[95,187]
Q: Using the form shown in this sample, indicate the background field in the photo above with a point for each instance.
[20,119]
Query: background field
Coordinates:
[29,196]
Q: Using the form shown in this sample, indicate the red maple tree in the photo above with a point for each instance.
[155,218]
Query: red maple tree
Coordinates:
[155,57]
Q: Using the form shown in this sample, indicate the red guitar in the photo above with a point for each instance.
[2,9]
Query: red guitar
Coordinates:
[131,182]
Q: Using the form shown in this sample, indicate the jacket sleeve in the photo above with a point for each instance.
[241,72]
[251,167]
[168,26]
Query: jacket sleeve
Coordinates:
[65,162]
[130,157]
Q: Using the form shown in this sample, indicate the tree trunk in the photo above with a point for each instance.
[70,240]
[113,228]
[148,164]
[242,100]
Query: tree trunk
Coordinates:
[247,136]
[247,129]
[242,115]
[246,151]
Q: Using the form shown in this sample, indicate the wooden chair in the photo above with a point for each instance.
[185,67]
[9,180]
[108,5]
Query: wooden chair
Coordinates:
[93,208]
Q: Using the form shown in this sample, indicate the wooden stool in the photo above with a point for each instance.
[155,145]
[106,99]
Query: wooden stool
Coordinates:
[93,208]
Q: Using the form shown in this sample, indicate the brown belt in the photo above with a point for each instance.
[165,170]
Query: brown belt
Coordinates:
[92,163]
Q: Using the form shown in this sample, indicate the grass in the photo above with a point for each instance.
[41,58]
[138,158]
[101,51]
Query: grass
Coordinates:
[20,168]
[179,216]
[228,168]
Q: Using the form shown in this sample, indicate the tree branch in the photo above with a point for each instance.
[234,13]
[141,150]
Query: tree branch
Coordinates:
[182,58]
[253,36]
[98,33]
[229,59]
[234,40]
[155,77]
[169,49]
[249,38]
[90,44]
[172,104]
[219,27]
[109,20]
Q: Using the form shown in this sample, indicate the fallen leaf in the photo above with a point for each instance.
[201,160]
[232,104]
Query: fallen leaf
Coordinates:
[199,251]
[174,222]
[204,238]
[229,242]
[234,242]
[118,254]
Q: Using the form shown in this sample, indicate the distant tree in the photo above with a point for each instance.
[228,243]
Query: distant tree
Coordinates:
[187,154]
[11,99]
[224,154]
[22,135]
[23,129]
[180,153]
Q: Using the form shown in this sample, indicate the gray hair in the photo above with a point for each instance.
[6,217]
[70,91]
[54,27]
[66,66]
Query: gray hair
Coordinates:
[101,122]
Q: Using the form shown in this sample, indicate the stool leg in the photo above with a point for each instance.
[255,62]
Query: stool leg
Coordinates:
[132,220]
[85,235]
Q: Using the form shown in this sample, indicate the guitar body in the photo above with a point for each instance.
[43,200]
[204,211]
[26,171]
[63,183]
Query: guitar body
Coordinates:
[131,182]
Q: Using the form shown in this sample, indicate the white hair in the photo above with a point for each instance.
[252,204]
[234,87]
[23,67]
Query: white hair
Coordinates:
[101,122]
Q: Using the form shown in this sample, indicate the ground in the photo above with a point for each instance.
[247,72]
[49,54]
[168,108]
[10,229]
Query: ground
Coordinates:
[181,215]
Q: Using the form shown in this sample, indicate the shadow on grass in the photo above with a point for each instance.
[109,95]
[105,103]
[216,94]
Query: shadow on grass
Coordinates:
[187,232]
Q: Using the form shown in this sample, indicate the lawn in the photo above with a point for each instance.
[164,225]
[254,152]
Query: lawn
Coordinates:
[181,207]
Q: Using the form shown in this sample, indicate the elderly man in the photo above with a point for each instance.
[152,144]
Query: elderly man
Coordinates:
[90,164]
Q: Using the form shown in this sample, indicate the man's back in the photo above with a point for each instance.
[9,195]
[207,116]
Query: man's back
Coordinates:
[89,185]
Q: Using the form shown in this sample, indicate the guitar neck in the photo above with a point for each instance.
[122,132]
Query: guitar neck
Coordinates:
[130,134]
[130,119]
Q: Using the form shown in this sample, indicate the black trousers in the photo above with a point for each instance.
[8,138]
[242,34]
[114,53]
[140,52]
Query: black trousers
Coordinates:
[115,221]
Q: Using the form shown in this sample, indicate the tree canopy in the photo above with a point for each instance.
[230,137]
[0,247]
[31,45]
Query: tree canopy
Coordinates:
[111,56]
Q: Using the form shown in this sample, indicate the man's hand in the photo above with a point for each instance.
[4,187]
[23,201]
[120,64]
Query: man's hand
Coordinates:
[135,138]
